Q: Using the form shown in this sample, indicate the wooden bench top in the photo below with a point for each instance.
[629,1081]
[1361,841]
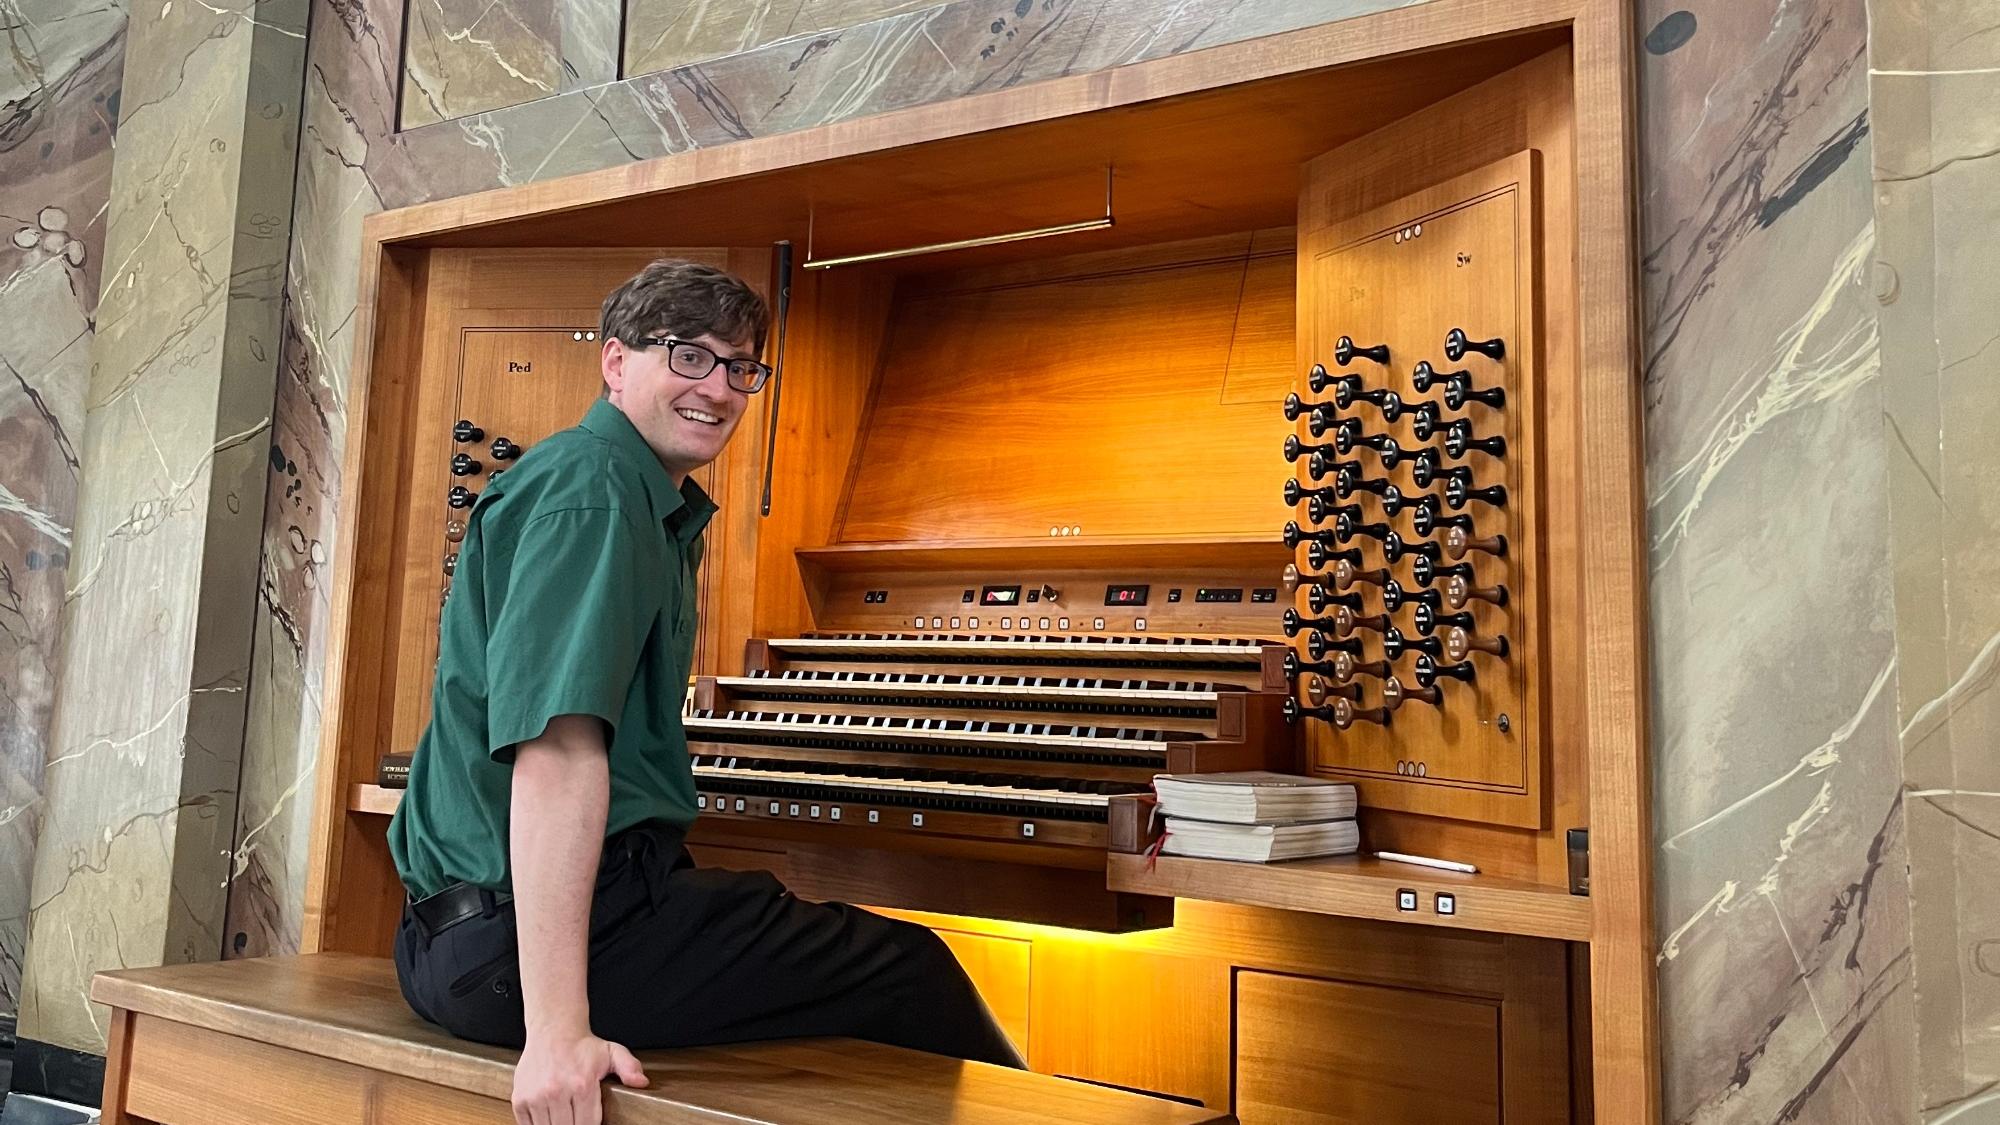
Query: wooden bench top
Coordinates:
[347,1007]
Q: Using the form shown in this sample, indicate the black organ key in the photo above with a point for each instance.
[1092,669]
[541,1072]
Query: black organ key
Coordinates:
[1345,351]
[1457,344]
[461,496]
[462,465]
[464,432]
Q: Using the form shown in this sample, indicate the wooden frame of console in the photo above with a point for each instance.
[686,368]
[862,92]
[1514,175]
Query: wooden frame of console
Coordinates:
[346,893]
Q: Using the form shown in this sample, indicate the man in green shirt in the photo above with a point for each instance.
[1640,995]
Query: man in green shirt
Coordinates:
[552,904]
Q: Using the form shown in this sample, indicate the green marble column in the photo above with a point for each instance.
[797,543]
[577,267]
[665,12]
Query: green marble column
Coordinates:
[147,736]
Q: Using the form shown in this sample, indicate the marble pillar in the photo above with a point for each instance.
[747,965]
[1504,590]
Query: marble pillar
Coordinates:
[1936,100]
[58,110]
[131,867]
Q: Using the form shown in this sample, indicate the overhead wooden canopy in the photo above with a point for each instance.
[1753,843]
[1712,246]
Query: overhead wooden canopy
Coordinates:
[1181,167]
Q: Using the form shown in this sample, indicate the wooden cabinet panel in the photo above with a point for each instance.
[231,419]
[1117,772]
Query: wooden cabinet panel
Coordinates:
[1316,1052]
[1107,1012]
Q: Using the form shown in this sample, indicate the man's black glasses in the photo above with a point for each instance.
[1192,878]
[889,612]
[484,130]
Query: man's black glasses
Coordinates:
[693,361]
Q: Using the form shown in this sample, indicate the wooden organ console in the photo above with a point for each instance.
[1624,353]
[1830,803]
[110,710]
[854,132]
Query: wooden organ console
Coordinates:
[1315,456]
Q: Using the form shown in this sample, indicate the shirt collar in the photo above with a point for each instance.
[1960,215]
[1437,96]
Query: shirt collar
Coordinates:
[683,511]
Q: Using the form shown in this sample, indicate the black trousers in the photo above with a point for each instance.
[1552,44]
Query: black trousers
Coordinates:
[683,956]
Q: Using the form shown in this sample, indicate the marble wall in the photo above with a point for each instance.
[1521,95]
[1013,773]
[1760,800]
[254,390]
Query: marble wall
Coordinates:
[59,101]
[1936,108]
[1790,987]
[130,867]
[1783,900]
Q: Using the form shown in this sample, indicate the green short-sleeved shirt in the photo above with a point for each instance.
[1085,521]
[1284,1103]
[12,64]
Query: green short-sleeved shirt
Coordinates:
[574,594]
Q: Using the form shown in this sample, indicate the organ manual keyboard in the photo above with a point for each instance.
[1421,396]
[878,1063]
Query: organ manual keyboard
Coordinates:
[1010,750]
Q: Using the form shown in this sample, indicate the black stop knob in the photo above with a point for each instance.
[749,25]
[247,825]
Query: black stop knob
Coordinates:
[1458,441]
[1457,495]
[1425,418]
[1346,484]
[1295,406]
[1395,547]
[1429,468]
[462,465]
[1395,644]
[1347,439]
[464,431]
[1395,597]
[1457,343]
[1320,467]
[1320,510]
[1346,528]
[1429,671]
[1295,535]
[1295,449]
[1428,519]
[504,450]
[1321,645]
[1345,352]
[1319,555]
[1293,666]
[1324,418]
[1395,503]
[1321,599]
[1295,492]
[461,496]
[1427,571]
[1457,394]
[1294,712]
[1423,377]
[1319,380]
[1429,620]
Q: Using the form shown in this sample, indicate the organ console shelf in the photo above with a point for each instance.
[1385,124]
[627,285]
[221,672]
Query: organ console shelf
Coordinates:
[1098,419]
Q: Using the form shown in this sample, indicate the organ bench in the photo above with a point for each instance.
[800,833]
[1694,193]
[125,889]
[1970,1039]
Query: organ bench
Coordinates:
[1272,404]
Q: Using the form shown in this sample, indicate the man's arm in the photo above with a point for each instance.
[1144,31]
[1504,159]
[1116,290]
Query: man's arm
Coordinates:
[561,791]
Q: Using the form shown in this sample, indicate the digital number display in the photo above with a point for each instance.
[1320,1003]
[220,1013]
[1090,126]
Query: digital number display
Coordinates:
[1000,595]
[1125,595]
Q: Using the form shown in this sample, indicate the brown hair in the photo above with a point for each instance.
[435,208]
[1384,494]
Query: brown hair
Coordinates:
[685,299]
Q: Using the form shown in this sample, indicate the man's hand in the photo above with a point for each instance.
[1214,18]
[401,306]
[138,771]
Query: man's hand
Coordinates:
[557,1080]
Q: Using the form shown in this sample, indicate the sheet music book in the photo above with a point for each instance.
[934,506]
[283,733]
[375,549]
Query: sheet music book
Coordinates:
[1260,843]
[1253,797]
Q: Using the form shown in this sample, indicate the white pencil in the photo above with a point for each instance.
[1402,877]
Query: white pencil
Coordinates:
[1426,861]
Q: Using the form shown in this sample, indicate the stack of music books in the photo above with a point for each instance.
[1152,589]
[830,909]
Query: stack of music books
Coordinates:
[1256,815]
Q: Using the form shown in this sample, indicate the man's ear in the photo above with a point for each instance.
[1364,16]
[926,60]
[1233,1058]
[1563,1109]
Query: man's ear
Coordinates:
[611,364]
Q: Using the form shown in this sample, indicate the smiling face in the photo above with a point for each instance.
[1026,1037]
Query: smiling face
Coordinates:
[686,421]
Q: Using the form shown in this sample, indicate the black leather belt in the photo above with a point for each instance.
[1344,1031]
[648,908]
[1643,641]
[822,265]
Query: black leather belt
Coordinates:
[447,908]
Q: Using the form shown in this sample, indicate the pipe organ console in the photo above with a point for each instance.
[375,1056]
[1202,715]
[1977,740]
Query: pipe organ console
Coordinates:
[1291,470]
